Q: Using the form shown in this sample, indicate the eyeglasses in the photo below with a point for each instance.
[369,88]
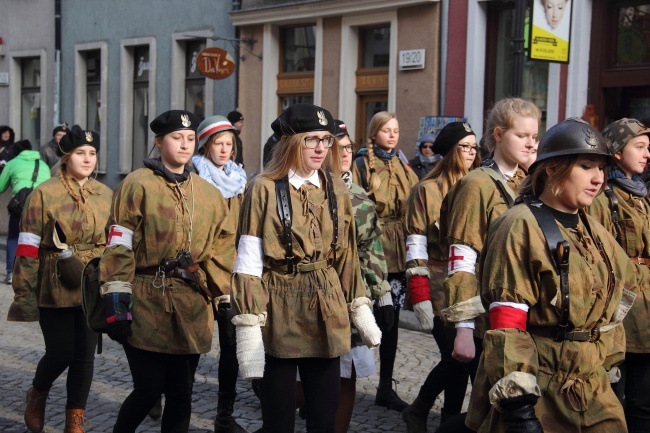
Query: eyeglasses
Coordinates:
[313,142]
[467,148]
[426,146]
[349,148]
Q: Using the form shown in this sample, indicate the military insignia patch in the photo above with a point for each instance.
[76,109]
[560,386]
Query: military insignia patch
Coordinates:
[89,137]
[185,120]
[591,138]
[467,127]
[321,118]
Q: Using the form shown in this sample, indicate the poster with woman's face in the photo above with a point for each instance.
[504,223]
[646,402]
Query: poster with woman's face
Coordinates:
[551,30]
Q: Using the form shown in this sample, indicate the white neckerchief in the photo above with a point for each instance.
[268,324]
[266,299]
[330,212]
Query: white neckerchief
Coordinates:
[297,181]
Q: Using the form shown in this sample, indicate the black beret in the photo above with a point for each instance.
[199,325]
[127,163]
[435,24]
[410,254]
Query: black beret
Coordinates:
[77,137]
[303,118]
[61,128]
[23,145]
[340,129]
[451,135]
[174,120]
[234,117]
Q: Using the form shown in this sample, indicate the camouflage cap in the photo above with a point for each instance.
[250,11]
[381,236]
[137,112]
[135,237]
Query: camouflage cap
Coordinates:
[618,134]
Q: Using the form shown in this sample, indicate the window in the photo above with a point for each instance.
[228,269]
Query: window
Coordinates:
[93,90]
[375,47]
[194,81]
[142,66]
[30,114]
[299,49]
[633,35]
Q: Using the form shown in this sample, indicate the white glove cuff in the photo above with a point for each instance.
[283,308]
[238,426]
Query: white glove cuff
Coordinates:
[386,299]
[249,319]
[223,299]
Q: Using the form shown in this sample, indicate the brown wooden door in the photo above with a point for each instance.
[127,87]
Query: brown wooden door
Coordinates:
[367,106]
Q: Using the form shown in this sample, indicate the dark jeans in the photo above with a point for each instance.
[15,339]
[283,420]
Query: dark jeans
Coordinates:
[449,375]
[69,343]
[155,374]
[12,241]
[228,365]
[634,388]
[321,383]
[388,349]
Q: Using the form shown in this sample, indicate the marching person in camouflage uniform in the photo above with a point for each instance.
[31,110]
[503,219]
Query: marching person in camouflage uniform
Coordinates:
[624,210]
[388,182]
[557,286]
[469,208]
[168,259]
[62,228]
[426,269]
[360,361]
[297,279]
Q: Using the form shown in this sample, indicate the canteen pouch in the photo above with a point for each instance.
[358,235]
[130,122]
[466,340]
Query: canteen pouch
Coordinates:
[69,268]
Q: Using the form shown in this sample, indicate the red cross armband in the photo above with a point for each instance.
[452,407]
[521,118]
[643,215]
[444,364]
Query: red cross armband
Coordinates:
[119,235]
[508,315]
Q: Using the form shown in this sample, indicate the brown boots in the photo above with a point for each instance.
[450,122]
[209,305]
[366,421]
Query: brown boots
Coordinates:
[74,421]
[35,410]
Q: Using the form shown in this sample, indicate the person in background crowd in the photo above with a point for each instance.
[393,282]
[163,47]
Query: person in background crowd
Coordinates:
[623,210]
[557,286]
[237,120]
[426,269]
[302,265]
[18,174]
[160,273]
[61,229]
[360,361]
[268,148]
[215,163]
[49,151]
[425,158]
[388,182]
[7,138]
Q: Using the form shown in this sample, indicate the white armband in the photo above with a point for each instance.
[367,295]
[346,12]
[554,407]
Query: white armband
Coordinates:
[119,235]
[249,256]
[416,247]
[461,258]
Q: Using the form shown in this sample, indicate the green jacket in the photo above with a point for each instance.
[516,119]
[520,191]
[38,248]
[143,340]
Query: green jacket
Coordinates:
[18,172]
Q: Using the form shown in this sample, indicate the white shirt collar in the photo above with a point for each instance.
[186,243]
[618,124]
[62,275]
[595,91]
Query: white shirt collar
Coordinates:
[297,181]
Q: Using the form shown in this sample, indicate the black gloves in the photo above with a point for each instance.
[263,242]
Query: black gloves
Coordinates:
[518,415]
[119,331]
[224,322]
[385,317]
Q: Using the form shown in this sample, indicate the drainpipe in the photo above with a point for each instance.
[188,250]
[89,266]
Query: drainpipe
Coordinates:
[444,40]
[518,55]
[236,5]
[57,62]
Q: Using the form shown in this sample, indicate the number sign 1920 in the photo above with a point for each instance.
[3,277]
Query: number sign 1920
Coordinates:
[411,59]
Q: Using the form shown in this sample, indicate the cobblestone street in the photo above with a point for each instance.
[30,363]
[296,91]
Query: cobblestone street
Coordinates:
[21,347]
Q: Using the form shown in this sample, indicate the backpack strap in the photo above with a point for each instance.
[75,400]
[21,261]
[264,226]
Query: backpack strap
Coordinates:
[35,174]
[363,174]
[332,203]
[613,204]
[505,191]
[559,249]
[283,199]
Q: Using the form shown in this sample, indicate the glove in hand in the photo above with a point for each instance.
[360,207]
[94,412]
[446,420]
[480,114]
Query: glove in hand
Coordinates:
[119,331]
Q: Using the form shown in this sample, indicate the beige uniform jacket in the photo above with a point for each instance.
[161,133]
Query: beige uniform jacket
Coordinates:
[397,179]
[634,222]
[423,218]
[570,376]
[307,313]
[468,210]
[170,318]
[80,225]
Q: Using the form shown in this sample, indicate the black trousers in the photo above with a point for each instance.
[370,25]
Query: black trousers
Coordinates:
[634,391]
[449,375]
[69,343]
[228,365]
[321,383]
[155,374]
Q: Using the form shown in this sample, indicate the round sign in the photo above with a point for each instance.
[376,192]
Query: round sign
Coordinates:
[215,63]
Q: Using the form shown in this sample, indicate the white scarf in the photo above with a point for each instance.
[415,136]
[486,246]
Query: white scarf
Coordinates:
[231,181]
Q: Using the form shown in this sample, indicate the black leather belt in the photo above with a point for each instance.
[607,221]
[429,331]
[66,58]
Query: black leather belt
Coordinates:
[583,335]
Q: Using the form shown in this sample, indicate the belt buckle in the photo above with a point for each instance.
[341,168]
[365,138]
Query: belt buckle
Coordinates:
[594,335]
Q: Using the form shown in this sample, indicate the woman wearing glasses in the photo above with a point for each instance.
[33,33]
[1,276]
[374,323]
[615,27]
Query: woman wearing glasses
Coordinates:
[388,181]
[425,157]
[426,269]
[296,279]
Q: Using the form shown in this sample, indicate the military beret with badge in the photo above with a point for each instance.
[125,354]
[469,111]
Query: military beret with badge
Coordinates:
[77,137]
[450,135]
[174,120]
[300,118]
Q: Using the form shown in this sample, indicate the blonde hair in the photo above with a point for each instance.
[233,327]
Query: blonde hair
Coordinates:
[288,154]
[376,123]
[503,113]
[204,150]
[451,169]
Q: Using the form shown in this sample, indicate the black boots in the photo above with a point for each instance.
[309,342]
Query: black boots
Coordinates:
[224,422]
[387,397]
[415,416]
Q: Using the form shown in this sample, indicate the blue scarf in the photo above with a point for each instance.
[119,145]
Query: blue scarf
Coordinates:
[382,154]
[634,186]
[231,181]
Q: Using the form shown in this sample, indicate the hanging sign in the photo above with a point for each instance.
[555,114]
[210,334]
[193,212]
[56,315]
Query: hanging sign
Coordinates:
[215,63]
[551,30]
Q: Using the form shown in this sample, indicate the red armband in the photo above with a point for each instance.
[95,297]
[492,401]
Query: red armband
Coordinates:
[28,244]
[419,289]
[504,316]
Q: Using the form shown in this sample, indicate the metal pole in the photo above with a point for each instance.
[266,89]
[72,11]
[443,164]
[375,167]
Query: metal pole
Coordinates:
[57,63]
[518,55]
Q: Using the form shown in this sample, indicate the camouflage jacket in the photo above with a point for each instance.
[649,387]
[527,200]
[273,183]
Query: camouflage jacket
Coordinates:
[469,208]
[569,376]
[170,316]
[423,218]
[397,179]
[51,209]
[634,224]
[370,249]
[307,313]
